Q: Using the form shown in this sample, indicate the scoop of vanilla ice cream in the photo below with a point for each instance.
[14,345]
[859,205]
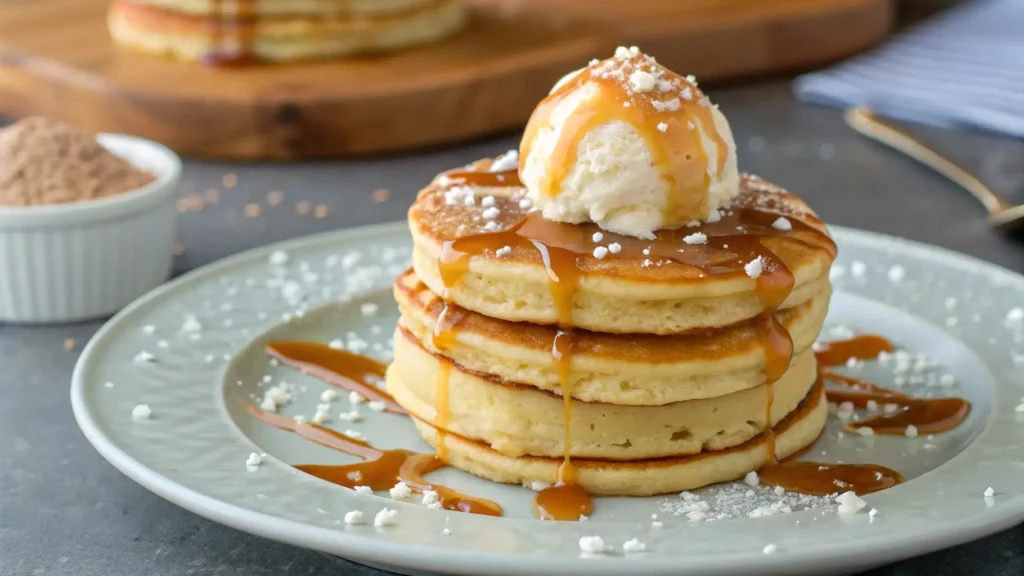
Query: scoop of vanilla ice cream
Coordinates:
[614,181]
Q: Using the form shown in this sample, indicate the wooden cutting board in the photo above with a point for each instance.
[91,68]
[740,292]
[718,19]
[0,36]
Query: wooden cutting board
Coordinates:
[57,59]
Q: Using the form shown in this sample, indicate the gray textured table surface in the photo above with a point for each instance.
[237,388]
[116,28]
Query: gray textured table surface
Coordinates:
[64,510]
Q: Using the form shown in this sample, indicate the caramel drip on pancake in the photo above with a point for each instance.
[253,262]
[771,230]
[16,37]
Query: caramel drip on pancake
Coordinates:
[338,368]
[681,109]
[379,469]
[563,276]
[234,28]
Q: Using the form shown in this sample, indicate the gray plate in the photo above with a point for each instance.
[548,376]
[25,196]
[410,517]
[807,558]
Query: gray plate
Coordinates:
[192,451]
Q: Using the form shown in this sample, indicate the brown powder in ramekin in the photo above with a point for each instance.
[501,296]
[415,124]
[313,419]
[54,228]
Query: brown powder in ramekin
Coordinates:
[45,161]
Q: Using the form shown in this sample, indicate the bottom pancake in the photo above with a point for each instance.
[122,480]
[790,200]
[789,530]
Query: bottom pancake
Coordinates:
[642,477]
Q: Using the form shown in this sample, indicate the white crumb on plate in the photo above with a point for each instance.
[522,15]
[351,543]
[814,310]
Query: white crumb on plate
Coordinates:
[431,500]
[446,532]
[278,258]
[910,431]
[328,395]
[356,398]
[350,416]
[858,268]
[850,503]
[143,357]
[363,489]
[252,463]
[896,273]
[656,524]
[989,492]
[751,479]
[770,549]
[354,517]
[386,517]
[378,405]
[633,545]
[401,491]
[141,412]
[592,545]
[538,486]
[191,324]
[149,329]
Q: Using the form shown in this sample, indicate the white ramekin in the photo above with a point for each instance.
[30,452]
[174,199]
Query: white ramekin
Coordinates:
[85,260]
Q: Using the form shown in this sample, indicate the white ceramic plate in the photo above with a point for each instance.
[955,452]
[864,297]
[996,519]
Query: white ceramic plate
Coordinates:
[192,451]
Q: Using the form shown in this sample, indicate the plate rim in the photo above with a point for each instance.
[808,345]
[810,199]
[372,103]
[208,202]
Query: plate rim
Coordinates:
[415,556]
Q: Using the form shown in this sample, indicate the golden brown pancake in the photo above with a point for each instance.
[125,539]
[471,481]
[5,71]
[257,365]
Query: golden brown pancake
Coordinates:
[279,37]
[518,420]
[349,8]
[619,293]
[625,369]
[643,477]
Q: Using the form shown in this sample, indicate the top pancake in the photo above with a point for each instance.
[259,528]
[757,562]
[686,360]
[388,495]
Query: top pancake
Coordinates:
[624,292]
[280,31]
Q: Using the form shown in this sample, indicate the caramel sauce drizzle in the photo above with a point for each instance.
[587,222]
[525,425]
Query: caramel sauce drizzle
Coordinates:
[338,368]
[380,469]
[928,415]
[863,347]
[677,151]
[819,479]
[234,25]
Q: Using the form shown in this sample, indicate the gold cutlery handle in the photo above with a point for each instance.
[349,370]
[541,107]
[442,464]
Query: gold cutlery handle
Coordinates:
[867,123]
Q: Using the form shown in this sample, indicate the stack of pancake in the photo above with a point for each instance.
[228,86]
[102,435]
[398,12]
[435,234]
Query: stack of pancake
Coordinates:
[536,352]
[240,31]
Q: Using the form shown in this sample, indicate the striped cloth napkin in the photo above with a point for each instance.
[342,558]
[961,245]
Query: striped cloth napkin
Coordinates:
[964,67]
